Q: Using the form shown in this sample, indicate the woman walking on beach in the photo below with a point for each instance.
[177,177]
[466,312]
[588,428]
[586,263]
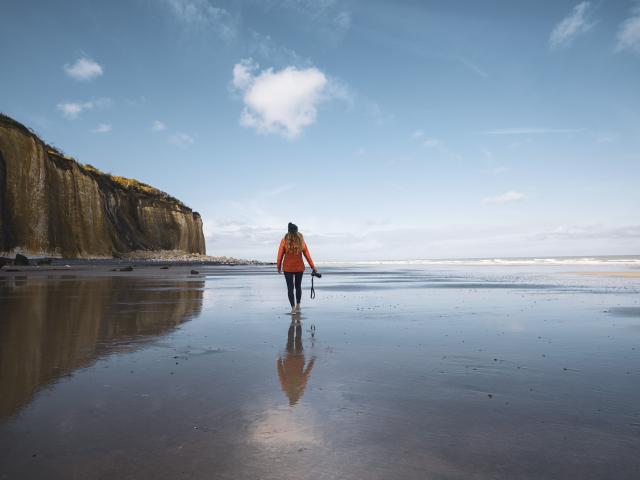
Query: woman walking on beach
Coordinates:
[292,247]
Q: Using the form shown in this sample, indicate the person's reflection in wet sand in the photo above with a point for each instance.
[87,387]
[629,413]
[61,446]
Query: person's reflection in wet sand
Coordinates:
[291,364]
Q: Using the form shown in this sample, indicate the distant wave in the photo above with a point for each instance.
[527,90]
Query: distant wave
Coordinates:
[627,260]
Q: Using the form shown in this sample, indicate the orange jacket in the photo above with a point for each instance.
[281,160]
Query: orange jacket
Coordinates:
[293,261]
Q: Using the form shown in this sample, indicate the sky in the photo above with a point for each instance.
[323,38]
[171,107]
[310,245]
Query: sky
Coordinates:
[385,129]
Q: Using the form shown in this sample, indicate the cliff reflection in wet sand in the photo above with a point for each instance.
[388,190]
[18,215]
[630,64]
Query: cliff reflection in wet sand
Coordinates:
[48,327]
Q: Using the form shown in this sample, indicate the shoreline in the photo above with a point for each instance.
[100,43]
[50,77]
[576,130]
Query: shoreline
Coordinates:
[606,274]
[159,258]
[102,269]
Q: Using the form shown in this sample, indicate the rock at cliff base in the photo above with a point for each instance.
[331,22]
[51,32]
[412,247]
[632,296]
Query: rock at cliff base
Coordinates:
[21,260]
[194,272]
[127,269]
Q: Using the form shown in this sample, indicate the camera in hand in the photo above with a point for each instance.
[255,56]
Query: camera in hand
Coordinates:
[316,274]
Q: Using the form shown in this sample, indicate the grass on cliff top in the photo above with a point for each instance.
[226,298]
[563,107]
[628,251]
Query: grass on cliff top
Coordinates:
[126,183]
[122,182]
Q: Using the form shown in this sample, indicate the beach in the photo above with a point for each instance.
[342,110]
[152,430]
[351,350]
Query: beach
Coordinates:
[392,371]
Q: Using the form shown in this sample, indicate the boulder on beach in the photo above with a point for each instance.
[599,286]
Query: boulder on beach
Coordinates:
[21,260]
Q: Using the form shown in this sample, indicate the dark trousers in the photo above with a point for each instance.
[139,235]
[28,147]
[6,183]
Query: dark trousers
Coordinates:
[291,278]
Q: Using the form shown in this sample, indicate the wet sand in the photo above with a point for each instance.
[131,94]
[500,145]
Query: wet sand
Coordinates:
[394,372]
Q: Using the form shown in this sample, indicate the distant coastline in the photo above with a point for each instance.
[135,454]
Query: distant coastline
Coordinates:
[630,260]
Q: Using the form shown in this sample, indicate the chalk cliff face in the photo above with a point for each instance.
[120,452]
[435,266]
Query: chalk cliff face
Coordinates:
[51,205]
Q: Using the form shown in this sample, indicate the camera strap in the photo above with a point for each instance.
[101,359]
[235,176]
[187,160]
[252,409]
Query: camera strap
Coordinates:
[313,290]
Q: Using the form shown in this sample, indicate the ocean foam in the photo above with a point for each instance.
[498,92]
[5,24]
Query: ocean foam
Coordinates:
[612,260]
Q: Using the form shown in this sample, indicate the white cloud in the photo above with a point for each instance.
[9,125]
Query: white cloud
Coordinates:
[508,197]
[500,169]
[201,13]
[375,111]
[282,102]
[181,139]
[629,32]
[252,228]
[242,239]
[72,110]
[343,20]
[574,232]
[576,23]
[243,73]
[473,67]
[278,190]
[253,238]
[136,102]
[327,18]
[158,126]
[264,46]
[102,128]
[338,90]
[606,137]
[427,142]
[84,69]
[434,143]
[530,131]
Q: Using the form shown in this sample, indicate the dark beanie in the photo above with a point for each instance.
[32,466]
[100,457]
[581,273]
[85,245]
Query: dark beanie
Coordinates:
[292,228]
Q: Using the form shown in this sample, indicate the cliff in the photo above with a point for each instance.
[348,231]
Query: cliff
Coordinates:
[52,205]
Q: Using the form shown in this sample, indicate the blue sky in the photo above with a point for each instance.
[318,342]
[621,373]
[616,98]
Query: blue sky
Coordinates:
[385,130]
